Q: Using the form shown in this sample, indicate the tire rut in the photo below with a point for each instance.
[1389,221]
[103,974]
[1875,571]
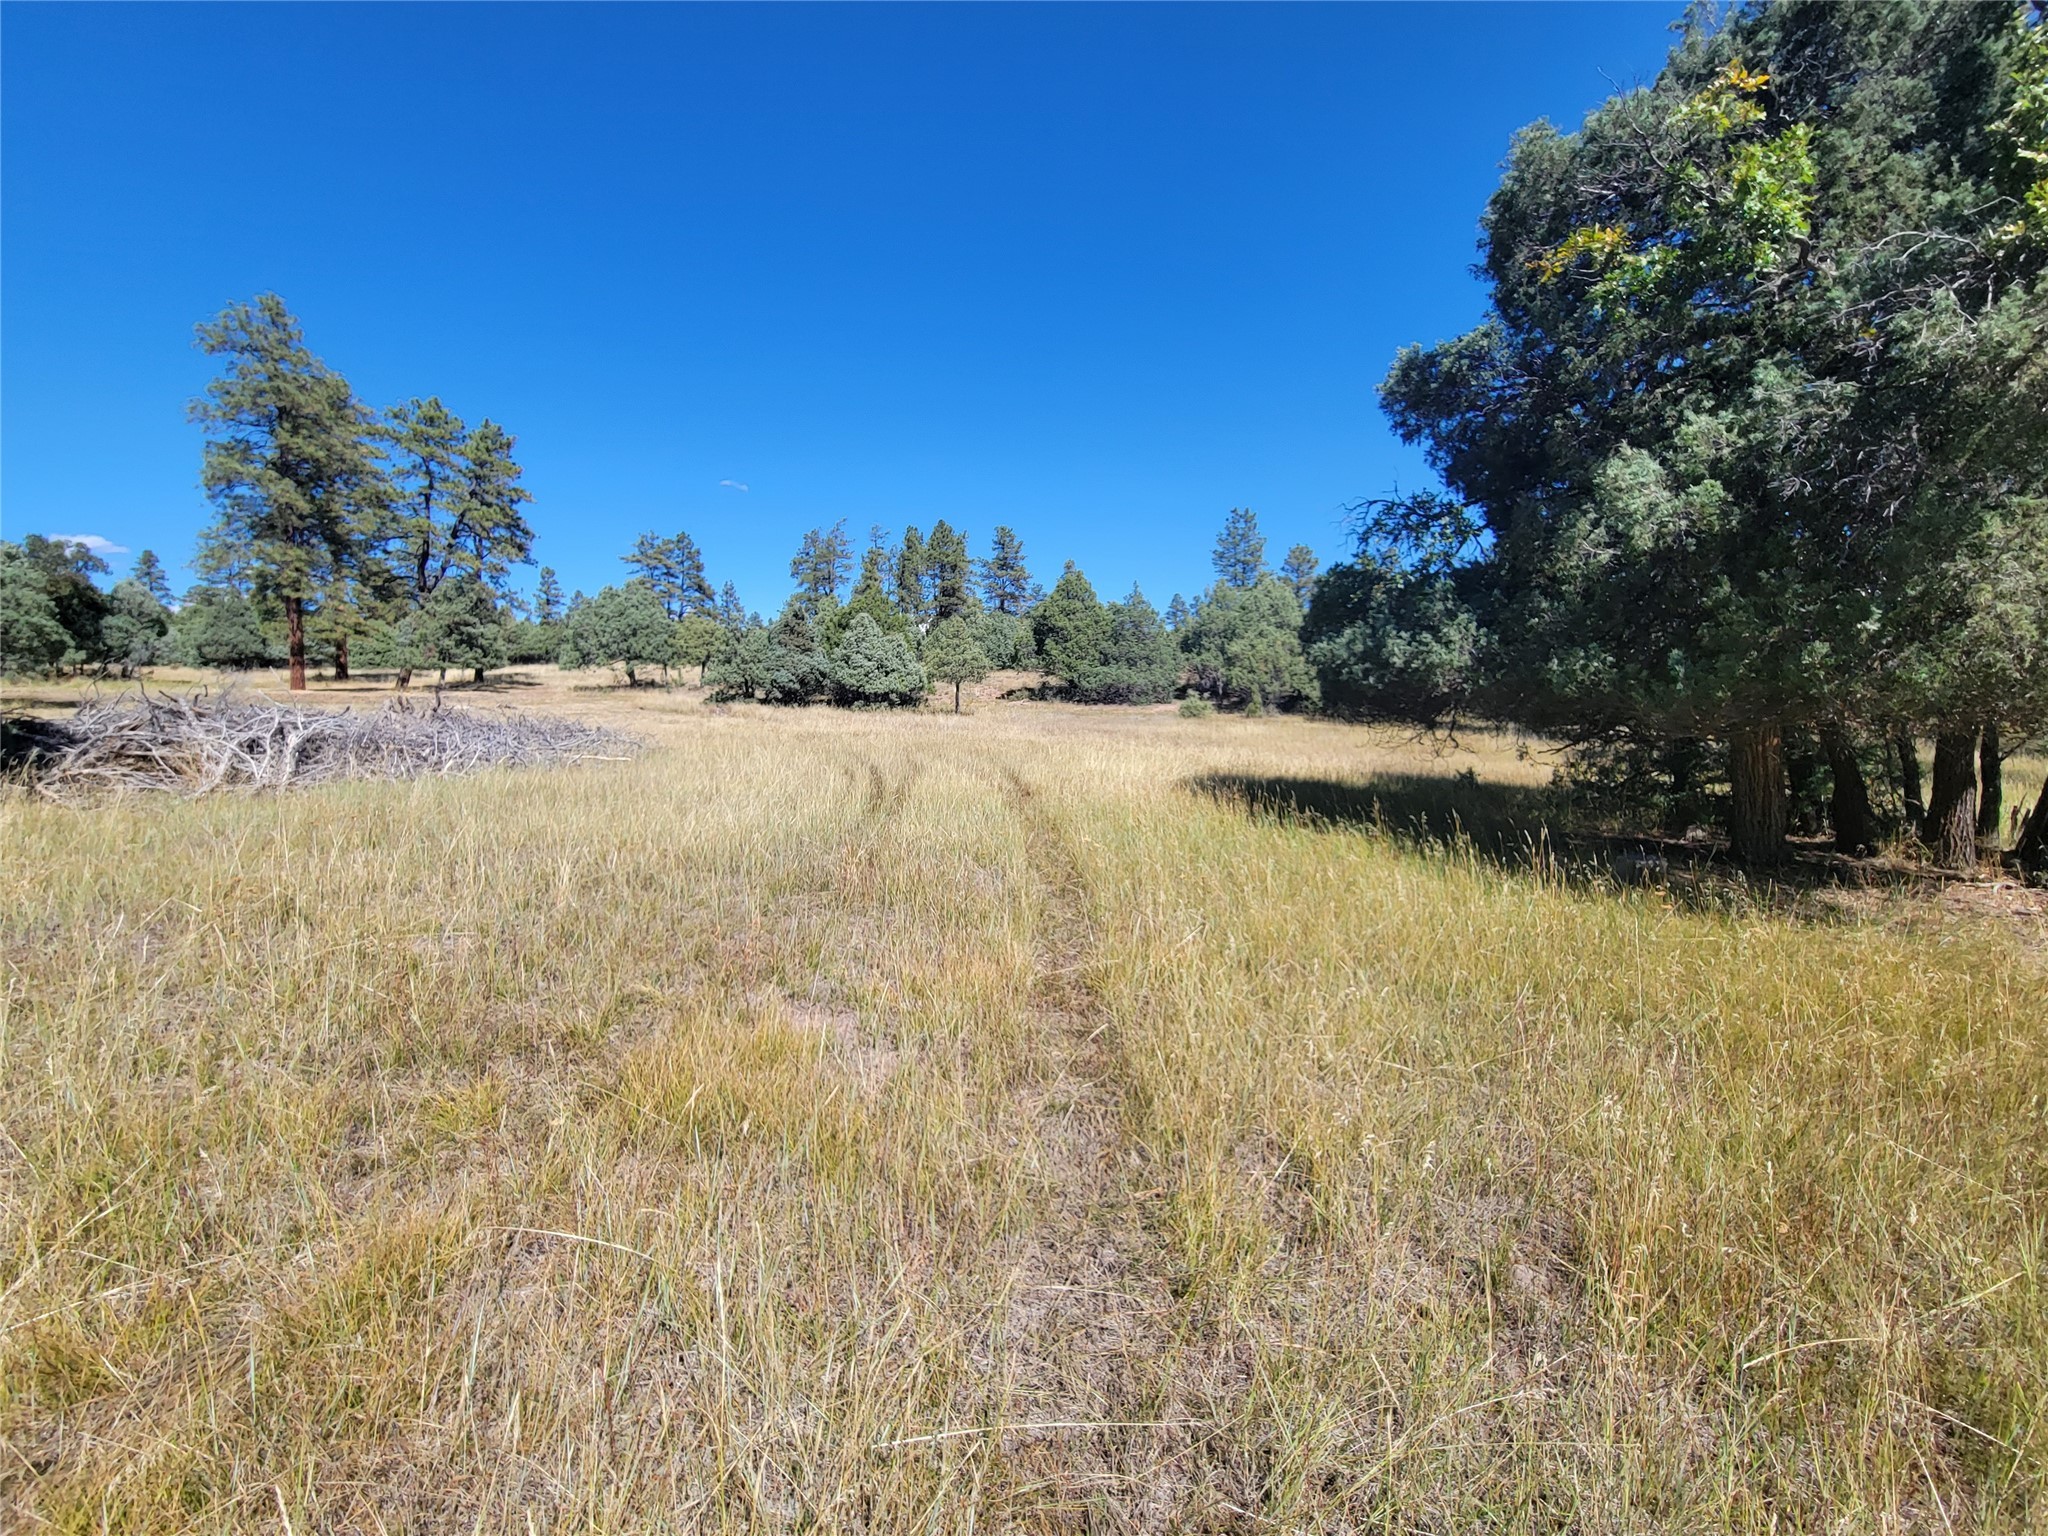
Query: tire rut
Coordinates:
[1087,1322]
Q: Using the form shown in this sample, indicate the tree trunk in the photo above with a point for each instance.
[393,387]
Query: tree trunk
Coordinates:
[1849,807]
[2032,847]
[1909,782]
[1951,829]
[479,674]
[341,658]
[295,640]
[956,697]
[1990,784]
[404,678]
[1756,773]
[1802,769]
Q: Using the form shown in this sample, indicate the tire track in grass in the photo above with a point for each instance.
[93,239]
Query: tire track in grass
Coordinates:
[1089,1346]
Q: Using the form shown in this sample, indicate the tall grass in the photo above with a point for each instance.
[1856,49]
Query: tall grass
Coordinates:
[895,1124]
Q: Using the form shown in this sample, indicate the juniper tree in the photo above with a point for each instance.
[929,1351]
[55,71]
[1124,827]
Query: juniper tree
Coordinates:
[624,627]
[217,627]
[1071,628]
[1140,661]
[1243,644]
[951,656]
[289,465]
[135,626]
[1005,581]
[870,667]
[697,639]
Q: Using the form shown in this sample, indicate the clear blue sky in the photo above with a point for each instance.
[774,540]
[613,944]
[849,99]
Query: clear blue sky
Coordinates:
[1100,273]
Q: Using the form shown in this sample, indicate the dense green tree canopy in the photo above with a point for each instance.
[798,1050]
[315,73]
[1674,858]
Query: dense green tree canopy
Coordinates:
[289,465]
[624,627]
[674,568]
[951,656]
[1753,426]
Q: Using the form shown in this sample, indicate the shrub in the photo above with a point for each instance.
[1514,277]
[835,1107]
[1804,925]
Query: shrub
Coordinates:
[1196,709]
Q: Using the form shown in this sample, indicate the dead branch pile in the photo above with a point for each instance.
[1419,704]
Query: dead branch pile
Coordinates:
[194,745]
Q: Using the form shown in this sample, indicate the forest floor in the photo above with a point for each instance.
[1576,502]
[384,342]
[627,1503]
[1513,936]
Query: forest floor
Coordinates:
[1041,1119]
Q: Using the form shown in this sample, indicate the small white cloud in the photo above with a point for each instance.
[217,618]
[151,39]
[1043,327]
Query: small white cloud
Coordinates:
[91,541]
[738,485]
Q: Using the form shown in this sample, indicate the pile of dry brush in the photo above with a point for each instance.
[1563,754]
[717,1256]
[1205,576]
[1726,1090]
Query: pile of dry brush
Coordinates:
[192,745]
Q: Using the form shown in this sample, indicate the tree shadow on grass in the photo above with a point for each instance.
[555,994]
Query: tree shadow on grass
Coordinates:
[1528,829]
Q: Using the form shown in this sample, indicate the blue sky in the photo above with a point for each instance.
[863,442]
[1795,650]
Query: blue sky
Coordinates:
[1100,273]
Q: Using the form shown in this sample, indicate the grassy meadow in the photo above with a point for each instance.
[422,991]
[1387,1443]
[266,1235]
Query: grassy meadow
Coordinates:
[1044,1119]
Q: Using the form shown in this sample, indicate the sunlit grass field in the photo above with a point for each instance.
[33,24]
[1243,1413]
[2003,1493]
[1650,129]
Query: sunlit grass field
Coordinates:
[1015,1122]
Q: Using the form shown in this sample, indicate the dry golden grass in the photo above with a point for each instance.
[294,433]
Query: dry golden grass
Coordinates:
[906,1123]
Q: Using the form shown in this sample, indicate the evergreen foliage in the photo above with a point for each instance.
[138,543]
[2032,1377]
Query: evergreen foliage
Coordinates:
[218,627]
[821,563]
[674,568]
[149,575]
[732,613]
[547,597]
[697,639]
[872,667]
[1140,662]
[1005,580]
[289,465]
[1243,646]
[948,574]
[33,641]
[801,670]
[910,588]
[63,570]
[1298,570]
[951,656]
[136,628]
[624,627]
[1240,556]
[1071,629]
[1752,428]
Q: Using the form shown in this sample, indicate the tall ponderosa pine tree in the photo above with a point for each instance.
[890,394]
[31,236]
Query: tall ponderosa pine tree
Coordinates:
[1298,570]
[1005,580]
[948,573]
[289,465]
[149,575]
[1240,557]
[457,506]
[821,565]
[547,597]
[732,613]
[674,568]
[910,588]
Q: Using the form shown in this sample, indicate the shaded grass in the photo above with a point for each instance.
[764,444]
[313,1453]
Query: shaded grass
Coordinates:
[877,1124]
